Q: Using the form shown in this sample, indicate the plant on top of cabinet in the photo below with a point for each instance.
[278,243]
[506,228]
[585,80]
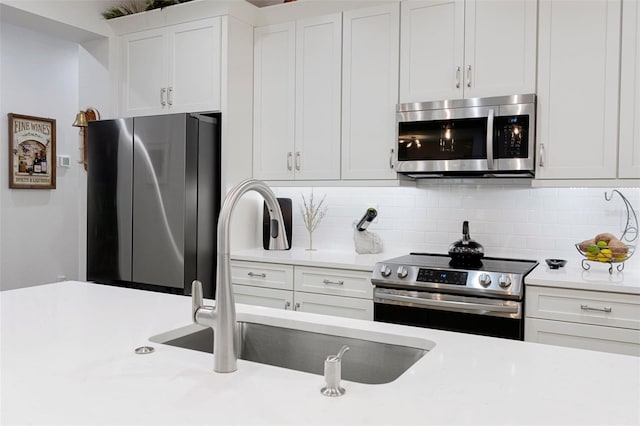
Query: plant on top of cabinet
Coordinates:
[131,6]
[453,49]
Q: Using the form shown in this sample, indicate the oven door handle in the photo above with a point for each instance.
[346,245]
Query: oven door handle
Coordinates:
[450,305]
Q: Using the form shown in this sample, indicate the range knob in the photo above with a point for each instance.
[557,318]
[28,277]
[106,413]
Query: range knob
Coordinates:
[485,280]
[402,272]
[385,271]
[504,281]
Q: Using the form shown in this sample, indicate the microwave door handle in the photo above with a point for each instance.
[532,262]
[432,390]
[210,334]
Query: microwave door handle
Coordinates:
[490,140]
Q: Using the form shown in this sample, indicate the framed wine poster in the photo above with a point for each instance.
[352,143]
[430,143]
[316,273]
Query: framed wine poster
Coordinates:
[32,152]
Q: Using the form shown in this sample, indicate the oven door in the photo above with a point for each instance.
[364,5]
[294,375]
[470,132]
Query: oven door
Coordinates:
[475,315]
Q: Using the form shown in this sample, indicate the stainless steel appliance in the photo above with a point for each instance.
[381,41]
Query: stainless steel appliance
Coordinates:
[153,198]
[467,137]
[429,290]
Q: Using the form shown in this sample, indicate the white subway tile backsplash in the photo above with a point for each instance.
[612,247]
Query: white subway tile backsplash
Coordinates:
[508,220]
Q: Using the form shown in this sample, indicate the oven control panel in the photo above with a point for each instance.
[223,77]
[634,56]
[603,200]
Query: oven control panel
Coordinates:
[459,281]
[442,277]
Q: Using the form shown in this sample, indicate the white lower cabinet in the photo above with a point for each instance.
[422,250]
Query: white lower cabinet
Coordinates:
[348,307]
[602,321]
[337,292]
[259,296]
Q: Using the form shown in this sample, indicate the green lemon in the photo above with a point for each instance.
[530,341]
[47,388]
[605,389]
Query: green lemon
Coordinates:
[602,244]
[593,249]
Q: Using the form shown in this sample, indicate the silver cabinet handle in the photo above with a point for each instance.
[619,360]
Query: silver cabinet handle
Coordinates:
[163,96]
[170,96]
[391,158]
[541,159]
[457,77]
[289,160]
[490,139]
[328,282]
[296,306]
[298,160]
[253,274]
[287,305]
[468,75]
[589,308]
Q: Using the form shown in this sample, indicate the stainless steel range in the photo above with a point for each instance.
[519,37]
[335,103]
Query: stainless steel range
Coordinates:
[430,290]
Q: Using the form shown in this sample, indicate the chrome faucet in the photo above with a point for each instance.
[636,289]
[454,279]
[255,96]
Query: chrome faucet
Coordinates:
[222,317]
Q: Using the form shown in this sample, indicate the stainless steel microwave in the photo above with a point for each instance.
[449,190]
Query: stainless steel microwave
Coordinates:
[467,137]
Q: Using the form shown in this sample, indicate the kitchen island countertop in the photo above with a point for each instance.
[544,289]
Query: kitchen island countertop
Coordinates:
[68,358]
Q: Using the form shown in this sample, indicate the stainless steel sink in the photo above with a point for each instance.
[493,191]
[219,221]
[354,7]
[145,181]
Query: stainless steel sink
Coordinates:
[368,361]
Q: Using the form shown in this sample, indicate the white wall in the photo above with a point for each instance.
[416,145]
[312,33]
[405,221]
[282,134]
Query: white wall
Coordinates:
[39,228]
[508,220]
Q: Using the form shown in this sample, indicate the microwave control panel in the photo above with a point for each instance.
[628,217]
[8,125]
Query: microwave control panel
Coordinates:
[511,135]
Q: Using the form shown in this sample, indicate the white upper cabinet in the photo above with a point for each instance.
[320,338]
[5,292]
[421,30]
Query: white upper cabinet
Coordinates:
[274,101]
[578,77]
[297,99]
[629,156]
[318,77]
[453,49]
[145,72]
[172,69]
[369,91]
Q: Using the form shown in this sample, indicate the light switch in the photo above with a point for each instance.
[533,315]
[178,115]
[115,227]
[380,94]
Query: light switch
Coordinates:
[64,161]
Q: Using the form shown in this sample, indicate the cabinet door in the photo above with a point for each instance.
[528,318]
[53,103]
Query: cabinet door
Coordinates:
[583,336]
[629,159]
[500,48]
[194,65]
[578,76]
[347,307]
[318,76]
[431,50]
[274,101]
[369,91]
[267,297]
[145,59]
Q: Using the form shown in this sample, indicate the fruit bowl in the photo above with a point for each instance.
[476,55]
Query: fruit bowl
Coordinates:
[606,254]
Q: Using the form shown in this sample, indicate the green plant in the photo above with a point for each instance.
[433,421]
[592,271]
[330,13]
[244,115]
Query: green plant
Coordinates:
[130,7]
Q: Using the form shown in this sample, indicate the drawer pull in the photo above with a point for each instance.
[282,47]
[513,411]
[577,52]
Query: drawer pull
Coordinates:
[296,306]
[589,308]
[328,282]
[287,306]
[253,274]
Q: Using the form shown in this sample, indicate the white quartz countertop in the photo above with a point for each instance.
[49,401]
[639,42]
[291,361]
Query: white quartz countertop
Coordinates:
[319,258]
[572,275]
[68,358]
[597,278]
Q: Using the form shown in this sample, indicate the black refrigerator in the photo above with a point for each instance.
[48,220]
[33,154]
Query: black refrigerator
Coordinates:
[153,198]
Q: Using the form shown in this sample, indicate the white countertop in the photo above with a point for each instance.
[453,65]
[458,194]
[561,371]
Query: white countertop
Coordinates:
[319,258]
[67,358]
[597,278]
[570,276]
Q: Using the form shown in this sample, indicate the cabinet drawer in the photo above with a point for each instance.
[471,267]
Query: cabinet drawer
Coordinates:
[259,274]
[583,336]
[347,307]
[337,282]
[587,307]
[258,296]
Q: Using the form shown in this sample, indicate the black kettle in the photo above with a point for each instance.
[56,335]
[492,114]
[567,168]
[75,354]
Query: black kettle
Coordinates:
[466,251]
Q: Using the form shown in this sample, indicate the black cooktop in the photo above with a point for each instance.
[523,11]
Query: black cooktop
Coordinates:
[489,264]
